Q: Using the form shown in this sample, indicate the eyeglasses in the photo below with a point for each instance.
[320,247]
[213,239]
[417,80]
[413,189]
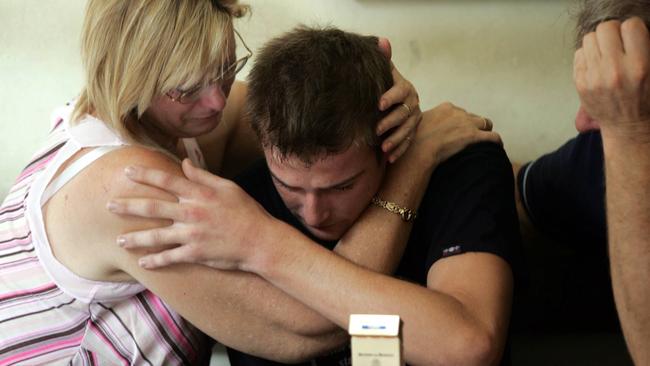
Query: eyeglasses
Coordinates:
[193,94]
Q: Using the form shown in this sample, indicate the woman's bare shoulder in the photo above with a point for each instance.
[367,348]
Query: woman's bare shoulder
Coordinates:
[81,230]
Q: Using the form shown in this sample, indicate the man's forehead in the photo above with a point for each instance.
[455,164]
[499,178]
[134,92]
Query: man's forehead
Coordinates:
[275,156]
[350,156]
[327,171]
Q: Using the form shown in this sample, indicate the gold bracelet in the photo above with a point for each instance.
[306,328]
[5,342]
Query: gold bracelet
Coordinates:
[406,214]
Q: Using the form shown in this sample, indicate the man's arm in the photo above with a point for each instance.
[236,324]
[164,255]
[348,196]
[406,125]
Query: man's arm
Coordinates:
[612,75]
[444,131]
[528,230]
[461,317]
[627,172]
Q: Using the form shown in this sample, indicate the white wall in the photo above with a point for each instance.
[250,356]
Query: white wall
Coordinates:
[509,60]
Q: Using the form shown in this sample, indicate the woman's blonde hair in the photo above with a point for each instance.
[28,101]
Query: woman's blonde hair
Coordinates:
[135,50]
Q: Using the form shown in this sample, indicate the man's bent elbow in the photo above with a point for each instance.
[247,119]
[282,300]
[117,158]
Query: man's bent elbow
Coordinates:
[482,348]
[475,347]
[305,349]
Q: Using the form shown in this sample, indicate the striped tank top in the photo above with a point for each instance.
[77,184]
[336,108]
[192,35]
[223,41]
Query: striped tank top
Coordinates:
[49,315]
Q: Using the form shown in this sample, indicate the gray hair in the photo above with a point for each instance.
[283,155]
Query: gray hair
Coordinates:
[590,13]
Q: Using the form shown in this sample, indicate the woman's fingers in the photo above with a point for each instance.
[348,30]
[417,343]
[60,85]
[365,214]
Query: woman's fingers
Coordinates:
[398,93]
[482,123]
[400,150]
[398,135]
[385,47]
[490,136]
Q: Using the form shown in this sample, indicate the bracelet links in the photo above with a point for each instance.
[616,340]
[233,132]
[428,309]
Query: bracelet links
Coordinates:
[406,214]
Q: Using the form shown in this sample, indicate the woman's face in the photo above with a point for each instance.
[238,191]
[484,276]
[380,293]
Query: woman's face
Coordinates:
[195,114]
[192,119]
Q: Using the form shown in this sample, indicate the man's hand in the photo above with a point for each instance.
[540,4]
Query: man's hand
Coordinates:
[611,72]
[215,222]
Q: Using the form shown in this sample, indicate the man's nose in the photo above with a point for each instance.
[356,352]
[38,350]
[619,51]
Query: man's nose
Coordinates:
[314,210]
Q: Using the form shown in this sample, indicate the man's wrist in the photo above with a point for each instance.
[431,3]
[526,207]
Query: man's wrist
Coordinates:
[626,134]
[264,246]
[405,213]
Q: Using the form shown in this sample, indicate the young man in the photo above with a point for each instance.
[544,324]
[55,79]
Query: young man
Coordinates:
[311,97]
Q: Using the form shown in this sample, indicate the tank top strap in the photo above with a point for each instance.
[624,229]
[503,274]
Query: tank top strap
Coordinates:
[194,153]
[73,169]
[91,132]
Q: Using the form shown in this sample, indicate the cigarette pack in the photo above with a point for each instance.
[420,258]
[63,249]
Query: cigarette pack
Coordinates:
[375,340]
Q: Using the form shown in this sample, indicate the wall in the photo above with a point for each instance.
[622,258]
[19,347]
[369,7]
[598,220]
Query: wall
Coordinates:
[509,60]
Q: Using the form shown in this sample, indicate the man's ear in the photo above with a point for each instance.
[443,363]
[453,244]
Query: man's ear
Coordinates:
[384,47]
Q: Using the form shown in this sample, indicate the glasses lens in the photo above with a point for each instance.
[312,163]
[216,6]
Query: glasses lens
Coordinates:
[190,96]
[227,75]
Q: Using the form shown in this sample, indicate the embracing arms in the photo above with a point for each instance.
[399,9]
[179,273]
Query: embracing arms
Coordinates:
[458,308]
[199,219]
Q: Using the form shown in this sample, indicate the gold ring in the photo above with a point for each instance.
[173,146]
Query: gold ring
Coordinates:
[408,109]
[486,123]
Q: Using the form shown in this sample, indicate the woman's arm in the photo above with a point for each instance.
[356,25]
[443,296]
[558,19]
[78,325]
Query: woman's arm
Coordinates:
[238,309]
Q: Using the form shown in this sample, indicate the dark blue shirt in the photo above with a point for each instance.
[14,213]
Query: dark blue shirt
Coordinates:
[468,207]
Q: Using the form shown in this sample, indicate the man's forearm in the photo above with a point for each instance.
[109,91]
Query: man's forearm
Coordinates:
[377,240]
[379,237]
[627,171]
[432,320]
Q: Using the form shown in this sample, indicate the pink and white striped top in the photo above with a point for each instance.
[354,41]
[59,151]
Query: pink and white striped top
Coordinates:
[49,315]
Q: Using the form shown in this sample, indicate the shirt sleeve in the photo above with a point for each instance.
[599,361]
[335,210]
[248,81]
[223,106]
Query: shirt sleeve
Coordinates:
[470,206]
[563,192]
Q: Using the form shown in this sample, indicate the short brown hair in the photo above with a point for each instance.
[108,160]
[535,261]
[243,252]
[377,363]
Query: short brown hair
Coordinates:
[590,13]
[314,92]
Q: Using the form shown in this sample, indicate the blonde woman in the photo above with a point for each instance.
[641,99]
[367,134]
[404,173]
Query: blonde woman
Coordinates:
[159,88]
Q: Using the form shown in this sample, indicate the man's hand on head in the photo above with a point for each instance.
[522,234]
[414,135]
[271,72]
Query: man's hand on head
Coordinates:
[612,77]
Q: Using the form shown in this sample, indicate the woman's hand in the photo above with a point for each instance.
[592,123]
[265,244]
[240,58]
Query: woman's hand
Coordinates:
[215,222]
[445,130]
[405,116]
